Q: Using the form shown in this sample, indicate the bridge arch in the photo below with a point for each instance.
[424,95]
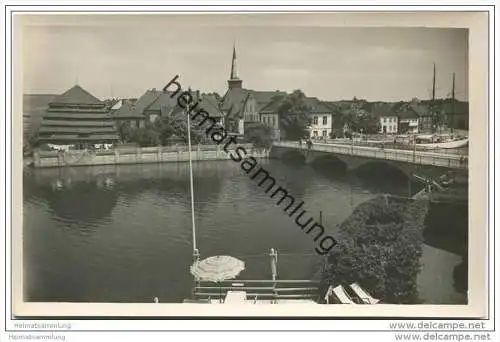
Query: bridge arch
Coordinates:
[384,166]
[294,156]
[329,163]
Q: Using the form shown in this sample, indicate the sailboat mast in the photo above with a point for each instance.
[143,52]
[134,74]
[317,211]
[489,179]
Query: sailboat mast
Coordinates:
[193,224]
[434,84]
[452,103]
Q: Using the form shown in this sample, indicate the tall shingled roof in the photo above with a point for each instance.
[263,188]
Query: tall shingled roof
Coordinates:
[88,122]
[75,95]
[34,106]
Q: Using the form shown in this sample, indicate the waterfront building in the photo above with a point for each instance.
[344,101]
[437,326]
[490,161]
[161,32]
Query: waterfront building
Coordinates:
[156,103]
[408,121]
[269,116]
[426,116]
[388,124]
[387,119]
[135,113]
[321,117]
[77,118]
[127,113]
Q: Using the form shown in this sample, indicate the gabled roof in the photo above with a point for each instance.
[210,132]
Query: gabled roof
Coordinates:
[274,104]
[381,109]
[421,109]
[234,101]
[210,103]
[316,106]
[111,102]
[407,113]
[263,98]
[146,100]
[234,98]
[76,95]
[126,111]
[163,103]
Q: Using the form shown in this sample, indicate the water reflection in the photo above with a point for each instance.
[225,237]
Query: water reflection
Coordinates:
[446,229]
[82,201]
[134,225]
[63,186]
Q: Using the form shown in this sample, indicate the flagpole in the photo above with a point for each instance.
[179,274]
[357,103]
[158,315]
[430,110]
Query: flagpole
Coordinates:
[196,254]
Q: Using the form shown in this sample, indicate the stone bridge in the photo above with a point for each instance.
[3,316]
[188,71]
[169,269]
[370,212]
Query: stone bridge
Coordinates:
[429,164]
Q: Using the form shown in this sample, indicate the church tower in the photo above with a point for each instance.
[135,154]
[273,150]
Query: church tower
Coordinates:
[234,82]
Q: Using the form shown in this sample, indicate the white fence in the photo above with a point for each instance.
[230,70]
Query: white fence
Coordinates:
[161,154]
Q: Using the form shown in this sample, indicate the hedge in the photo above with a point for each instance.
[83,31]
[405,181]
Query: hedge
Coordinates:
[379,247]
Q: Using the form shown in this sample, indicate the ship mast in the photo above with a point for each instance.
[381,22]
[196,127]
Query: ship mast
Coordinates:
[433,103]
[452,103]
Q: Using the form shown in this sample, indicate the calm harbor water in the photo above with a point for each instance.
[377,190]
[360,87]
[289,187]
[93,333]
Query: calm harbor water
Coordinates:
[123,233]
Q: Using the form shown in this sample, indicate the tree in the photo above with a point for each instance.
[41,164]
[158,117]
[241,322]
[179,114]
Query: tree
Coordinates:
[125,131]
[293,115]
[358,119]
[176,124]
[259,135]
[369,124]
[146,136]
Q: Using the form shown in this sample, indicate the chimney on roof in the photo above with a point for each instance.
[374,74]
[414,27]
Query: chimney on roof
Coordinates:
[197,95]
[154,89]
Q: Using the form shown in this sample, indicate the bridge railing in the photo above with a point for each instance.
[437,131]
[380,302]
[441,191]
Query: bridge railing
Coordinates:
[396,146]
[407,156]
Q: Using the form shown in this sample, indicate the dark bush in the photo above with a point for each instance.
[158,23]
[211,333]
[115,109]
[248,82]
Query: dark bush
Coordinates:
[380,246]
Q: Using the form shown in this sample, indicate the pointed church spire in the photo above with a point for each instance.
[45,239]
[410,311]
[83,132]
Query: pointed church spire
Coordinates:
[233,65]
[234,81]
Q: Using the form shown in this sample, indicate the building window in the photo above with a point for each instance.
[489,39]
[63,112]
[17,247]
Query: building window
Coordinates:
[324,132]
[385,119]
[315,133]
[138,123]
[325,120]
[274,121]
[315,121]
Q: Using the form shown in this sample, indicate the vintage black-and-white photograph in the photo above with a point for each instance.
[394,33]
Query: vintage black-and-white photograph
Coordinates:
[201,159]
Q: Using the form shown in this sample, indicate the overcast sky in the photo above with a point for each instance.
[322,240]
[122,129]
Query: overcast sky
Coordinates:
[125,55]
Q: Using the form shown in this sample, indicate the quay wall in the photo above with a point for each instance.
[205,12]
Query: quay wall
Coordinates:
[139,155]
